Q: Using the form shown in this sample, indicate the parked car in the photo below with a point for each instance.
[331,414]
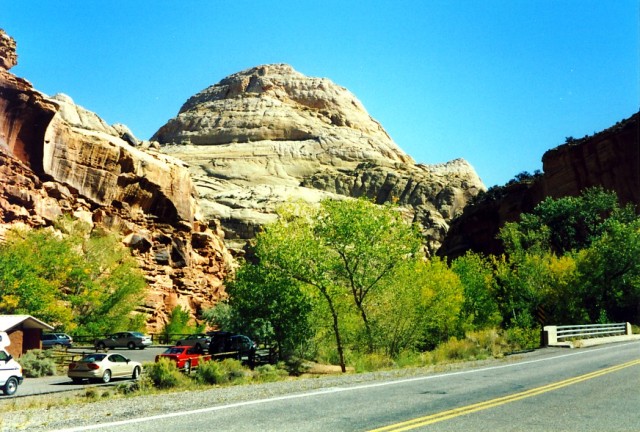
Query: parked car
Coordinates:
[56,340]
[102,367]
[131,340]
[10,370]
[229,345]
[200,341]
[186,357]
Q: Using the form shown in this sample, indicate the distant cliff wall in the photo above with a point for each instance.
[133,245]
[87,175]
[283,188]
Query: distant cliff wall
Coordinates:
[610,159]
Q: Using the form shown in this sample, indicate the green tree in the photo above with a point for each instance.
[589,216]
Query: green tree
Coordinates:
[79,281]
[441,301]
[179,323]
[479,309]
[565,224]
[609,274]
[264,304]
[340,250]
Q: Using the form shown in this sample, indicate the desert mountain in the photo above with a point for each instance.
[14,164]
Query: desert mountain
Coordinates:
[269,134]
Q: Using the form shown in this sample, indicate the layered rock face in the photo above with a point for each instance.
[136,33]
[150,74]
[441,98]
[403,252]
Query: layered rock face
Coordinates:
[269,134]
[610,159]
[58,158]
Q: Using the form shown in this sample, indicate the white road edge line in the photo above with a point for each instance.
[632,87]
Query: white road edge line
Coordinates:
[328,390]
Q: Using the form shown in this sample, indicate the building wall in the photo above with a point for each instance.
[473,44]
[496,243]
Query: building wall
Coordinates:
[16,336]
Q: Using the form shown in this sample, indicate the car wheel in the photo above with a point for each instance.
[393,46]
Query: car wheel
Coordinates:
[187,367]
[101,345]
[76,380]
[198,347]
[10,386]
[142,347]
[107,376]
[136,373]
[178,343]
[131,345]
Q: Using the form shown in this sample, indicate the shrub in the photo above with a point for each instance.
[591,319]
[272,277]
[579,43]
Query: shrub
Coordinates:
[211,372]
[455,349]
[412,359]
[475,346]
[164,374]
[295,366]
[226,371]
[520,339]
[37,363]
[372,362]
[270,373]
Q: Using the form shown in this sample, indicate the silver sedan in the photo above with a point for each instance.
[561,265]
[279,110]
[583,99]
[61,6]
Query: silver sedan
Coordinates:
[103,367]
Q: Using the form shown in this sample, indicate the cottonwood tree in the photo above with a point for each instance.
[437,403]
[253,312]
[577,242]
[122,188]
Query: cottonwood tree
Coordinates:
[75,279]
[341,251]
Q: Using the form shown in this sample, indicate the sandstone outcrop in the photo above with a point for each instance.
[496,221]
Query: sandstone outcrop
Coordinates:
[269,134]
[610,159]
[58,158]
[8,55]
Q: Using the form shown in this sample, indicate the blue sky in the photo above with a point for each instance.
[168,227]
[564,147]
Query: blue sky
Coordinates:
[494,82]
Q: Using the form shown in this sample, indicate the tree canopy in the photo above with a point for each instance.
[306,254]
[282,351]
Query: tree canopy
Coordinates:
[77,280]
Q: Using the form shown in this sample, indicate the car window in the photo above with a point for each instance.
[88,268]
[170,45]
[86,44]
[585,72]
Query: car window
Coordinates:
[174,351]
[47,337]
[93,358]
[136,334]
[4,356]
[117,358]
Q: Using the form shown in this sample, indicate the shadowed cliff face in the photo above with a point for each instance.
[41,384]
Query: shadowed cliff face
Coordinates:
[610,159]
[270,134]
[57,158]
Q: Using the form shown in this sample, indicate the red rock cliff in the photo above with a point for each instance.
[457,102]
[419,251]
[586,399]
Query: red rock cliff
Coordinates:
[58,158]
[610,159]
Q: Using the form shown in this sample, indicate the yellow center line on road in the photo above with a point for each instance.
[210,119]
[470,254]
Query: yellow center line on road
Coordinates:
[446,415]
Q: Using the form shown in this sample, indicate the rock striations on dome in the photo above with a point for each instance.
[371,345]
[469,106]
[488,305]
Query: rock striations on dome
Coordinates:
[270,134]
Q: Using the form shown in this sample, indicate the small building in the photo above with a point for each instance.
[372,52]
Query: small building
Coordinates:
[24,332]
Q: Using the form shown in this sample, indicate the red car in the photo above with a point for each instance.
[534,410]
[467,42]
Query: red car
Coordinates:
[186,357]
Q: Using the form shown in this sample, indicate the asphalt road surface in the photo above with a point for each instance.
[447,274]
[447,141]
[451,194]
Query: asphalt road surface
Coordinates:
[590,389]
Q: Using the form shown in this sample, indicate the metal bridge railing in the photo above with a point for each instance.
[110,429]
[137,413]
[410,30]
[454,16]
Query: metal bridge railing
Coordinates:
[556,334]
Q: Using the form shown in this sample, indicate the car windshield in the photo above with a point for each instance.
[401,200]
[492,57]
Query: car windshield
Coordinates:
[174,350]
[137,334]
[93,358]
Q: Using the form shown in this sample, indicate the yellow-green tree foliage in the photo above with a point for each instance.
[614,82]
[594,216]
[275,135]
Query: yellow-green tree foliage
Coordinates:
[80,281]
[362,269]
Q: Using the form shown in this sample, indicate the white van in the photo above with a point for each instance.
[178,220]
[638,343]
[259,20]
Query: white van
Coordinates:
[10,370]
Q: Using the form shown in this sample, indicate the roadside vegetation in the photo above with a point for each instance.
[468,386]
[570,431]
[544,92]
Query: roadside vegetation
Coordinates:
[348,283]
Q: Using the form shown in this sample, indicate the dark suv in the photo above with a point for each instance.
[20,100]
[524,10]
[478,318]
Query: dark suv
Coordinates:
[230,345]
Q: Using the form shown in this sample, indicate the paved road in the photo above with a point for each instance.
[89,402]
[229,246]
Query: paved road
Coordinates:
[591,389]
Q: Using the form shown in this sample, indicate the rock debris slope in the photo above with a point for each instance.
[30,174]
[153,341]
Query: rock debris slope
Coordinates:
[269,134]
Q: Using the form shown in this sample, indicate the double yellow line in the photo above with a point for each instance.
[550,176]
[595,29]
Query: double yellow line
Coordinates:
[446,415]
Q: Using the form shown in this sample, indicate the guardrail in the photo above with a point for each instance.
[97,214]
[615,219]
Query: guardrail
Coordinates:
[554,335]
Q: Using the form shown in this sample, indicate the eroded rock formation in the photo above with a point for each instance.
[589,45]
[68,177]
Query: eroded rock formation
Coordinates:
[610,159]
[58,158]
[269,134]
